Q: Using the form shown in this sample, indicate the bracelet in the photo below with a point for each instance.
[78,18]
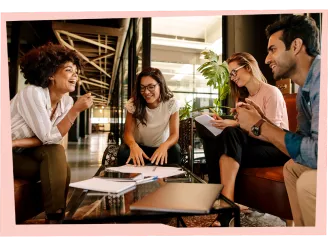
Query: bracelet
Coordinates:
[72,122]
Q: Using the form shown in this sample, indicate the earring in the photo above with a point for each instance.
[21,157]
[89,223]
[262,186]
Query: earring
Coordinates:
[159,99]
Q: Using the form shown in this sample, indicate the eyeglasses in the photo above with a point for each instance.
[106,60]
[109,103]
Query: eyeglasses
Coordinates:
[233,72]
[150,88]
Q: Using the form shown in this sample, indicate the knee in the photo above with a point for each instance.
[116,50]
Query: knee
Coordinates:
[288,167]
[55,152]
[123,154]
[229,131]
[176,149]
[305,183]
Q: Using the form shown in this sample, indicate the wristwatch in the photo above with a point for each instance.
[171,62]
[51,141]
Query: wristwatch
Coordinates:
[256,129]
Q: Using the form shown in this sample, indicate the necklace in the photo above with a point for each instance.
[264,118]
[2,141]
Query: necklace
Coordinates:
[257,90]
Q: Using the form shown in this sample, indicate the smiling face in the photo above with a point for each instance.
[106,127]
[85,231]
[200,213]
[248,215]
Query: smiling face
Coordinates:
[239,75]
[64,79]
[280,60]
[150,90]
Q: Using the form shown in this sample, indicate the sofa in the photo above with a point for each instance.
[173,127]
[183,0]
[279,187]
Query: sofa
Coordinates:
[264,188]
[28,199]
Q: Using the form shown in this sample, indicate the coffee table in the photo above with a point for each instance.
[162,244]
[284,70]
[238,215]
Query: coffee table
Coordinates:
[89,207]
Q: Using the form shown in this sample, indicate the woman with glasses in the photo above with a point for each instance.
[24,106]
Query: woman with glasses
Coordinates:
[152,123]
[234,148]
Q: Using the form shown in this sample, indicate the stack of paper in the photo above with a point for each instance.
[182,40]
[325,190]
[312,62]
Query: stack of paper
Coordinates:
[159,171]
[103,185]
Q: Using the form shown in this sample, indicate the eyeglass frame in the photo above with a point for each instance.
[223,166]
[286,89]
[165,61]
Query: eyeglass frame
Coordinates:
[143,88]
[235,71]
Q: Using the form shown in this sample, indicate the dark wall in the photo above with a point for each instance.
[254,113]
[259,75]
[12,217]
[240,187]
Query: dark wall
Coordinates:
[247,33]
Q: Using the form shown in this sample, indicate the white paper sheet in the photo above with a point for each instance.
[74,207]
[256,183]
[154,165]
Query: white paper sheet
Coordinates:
[103,185]
[159,171]
[205,119]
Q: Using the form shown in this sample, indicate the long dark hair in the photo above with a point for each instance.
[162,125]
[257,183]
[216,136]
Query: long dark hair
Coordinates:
[249,62]
[139,101]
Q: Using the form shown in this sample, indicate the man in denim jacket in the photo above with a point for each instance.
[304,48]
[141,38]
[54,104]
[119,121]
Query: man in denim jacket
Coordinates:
[294,52]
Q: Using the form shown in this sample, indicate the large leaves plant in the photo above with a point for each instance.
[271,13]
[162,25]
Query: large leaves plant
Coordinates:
[217,75]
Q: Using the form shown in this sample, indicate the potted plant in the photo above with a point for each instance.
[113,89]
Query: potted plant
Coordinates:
[217,75]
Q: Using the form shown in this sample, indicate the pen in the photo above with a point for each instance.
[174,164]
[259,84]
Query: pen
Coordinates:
[146,180]
[213,111]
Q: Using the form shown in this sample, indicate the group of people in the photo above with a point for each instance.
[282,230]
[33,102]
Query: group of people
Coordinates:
[258,136]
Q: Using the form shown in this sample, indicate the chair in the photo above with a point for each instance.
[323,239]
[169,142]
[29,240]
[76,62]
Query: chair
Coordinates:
[186,142]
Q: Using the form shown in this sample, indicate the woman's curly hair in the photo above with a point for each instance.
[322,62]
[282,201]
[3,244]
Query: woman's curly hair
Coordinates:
[40,63]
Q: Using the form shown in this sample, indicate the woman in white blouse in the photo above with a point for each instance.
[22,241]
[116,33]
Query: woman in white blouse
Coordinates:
[41,115]
[152,123]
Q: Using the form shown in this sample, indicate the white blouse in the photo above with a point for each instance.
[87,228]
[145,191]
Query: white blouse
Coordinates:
[30,115]
[157,130]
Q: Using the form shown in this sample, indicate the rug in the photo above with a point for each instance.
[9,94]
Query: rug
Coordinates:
[250,218]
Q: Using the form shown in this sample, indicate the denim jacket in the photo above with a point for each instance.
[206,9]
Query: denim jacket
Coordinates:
[302,146]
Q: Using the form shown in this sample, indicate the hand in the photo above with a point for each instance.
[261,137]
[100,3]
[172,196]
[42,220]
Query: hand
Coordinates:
[213,115]
[137,155]
[221,124]
[13,143]
[257,107]
[247,116]
[160,155]
[84,102]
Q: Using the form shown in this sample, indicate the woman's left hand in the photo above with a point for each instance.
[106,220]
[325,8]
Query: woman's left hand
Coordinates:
[160,155]
[221,124]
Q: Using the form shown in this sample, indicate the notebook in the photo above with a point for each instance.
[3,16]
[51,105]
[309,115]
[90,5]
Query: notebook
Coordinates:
[119,176]
[103,185]
[180,197]
[205,120]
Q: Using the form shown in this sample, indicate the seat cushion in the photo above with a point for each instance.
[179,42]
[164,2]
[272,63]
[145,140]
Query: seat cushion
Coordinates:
[270,173]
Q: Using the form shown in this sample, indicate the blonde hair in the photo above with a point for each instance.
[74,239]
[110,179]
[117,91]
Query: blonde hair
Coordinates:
[247,60]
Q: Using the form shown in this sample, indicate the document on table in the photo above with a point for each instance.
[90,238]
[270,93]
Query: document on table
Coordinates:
[205,119]
[159,171]
[103,185]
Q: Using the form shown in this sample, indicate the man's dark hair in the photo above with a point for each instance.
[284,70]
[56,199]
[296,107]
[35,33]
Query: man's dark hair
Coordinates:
[297,26]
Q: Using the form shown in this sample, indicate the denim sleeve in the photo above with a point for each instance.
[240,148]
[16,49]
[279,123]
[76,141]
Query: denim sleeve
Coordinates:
[303,148]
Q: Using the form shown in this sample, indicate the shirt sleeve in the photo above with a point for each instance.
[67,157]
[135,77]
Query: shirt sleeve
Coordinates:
[275,106]
[173,106]
[303,148]
[32,107]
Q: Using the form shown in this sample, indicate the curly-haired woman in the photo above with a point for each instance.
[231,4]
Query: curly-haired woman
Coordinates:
[152,123]
[41,115]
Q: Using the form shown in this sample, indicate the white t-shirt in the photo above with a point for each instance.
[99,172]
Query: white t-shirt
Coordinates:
[157,130]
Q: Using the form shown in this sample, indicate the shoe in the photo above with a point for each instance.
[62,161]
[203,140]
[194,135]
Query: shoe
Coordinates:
[55,218]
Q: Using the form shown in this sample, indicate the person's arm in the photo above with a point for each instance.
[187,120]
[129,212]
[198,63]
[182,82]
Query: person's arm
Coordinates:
[274,106]
[130,124]
[26,142]
[160,155]
[302,149]
[136,153]
[31,106]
